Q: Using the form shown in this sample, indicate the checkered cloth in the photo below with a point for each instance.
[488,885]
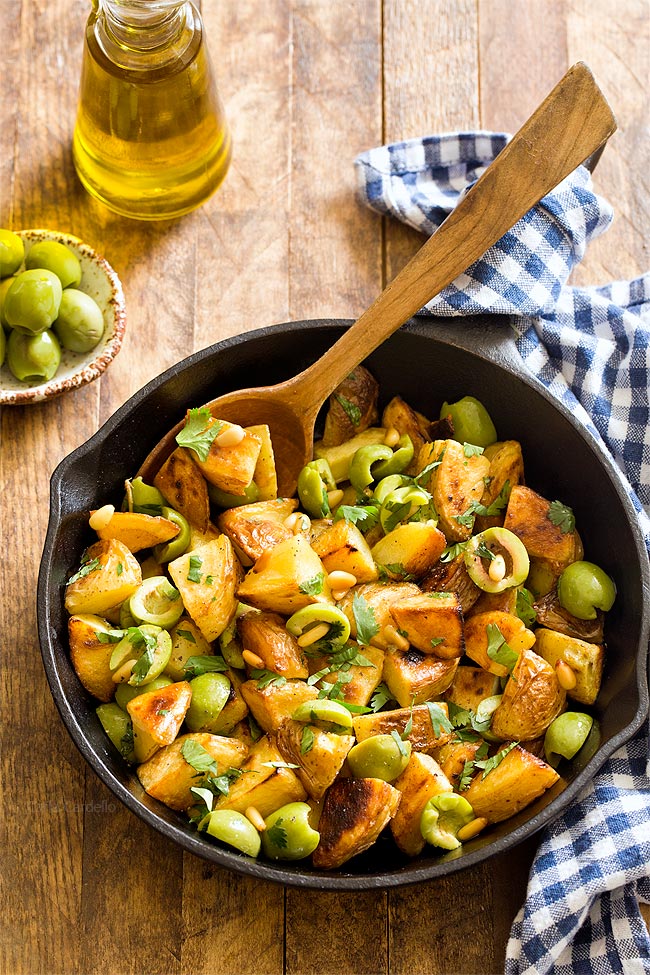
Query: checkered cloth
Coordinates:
[591,348]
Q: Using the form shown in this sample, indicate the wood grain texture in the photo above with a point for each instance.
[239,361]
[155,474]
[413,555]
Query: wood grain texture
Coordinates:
[307,84]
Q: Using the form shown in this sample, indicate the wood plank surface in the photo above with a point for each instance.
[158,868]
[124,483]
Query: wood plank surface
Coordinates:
[86,887]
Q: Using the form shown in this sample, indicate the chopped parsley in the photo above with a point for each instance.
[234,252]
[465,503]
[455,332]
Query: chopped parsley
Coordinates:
[497,648]
[381,696]
[87,566]
[307,740]
[197,756]
[471,450]
[204,664]
[437,640]
[194,571]
[199,432]
[394,570]
[351,410]
[561,515]
[364,618]
[277,834]
[489,764]
[364,517]
[313,586]
[399,740]
[267,678]
[439,720]
[186,635]
[452,551]
[524,608]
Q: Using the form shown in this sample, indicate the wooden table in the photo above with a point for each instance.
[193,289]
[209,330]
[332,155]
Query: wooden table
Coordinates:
[308,84]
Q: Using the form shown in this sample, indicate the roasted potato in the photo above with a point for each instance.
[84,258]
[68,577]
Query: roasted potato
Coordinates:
[255,528]
[266,635]
[352,407]
[184,488]
[586,660]
[108,575]
[286,578]
[456,484]
[207,580]
[90,655]
[414,548]
[377,599]
[318,754]
[531,699]
[432,622]
[518,780]
[354,813]
[420,781]
[341,546]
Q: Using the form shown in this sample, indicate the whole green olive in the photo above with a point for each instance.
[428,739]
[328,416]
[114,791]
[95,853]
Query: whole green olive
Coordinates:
[235,829]
[12,252]
[80,322]
[156,601]
[5,284]
[3,345]
[289,835]
[126,692]
[379,757]
[119,728]
[210,693]
[566,735]
[58,259]
[33,359]
[583,588]
[472,422]
[32,301]
[168,551]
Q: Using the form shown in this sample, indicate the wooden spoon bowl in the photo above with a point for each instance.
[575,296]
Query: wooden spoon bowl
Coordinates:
[571,124]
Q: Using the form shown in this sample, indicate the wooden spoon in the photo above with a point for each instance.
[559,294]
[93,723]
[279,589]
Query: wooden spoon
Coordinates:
[572,123]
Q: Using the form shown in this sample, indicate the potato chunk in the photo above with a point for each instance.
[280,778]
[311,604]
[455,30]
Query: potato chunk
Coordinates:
[399,416]
[457,484]
[432,622]
[157,717]
[477,638]
[531,699]
[414,547]
[424,735]
[420,781]
[377,598]
[417,677]
[207,579]
[287,577]
[586,660]
[506,467]
[470,686]
[254,528]
[342,547]
[452,577]
[517,781]
[352,407]
[265,475]
[266,635]
[272,704]
[265,784]
[184,488]
[138,531]
[167,776]
[358,682]
[109,574]
[354,813]
[90,655]
[318,754]
[231,469]
[531,518]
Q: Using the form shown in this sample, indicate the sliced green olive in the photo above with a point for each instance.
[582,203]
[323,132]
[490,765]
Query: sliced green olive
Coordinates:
[303,619]
[210,694]
[233,828]
[401,505]
[566,735]
[324,712]
[402,457]
[584,588]
[496,559]
[314,481]
[156,602]
[443,817]
[484,711]
[387,485]
[117,725]
[289,834]
[230,646]
[143,498]
[472,422]
[141,655]
[224,500]
[380,757]
[126,692]
[361,474]
[168,551]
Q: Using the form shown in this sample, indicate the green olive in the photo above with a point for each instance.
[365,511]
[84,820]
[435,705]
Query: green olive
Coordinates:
[230,646]
[361,473]
[33,359]
[187,641]
[331,714]
[5,284]
[402,457]
[380,757]
[484,711]
[143,498]
[57,258]
[387,485]
[149,647]
[401,505]
[303,619]
[12,252]
[584,588]
[442,817]
[566,735]
[80,322]
[233,828]
[127,618]
[224,500]
[32,302]
[168,551]
[3,345]
[496,559]
[126,692]
[157,602]
[117,725]
[472,422]
[289,835]
[314,481]
[210,694]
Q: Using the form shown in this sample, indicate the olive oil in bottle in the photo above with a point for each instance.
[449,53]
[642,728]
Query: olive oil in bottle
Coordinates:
[151,140]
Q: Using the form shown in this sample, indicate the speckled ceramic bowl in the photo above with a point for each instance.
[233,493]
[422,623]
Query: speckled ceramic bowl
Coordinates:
[100,281]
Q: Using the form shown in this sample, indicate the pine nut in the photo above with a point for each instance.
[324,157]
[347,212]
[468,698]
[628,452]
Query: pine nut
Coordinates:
[335,497]
[99,519]
[391,439]
[338,579]
[396,639]
[470,830]
[298,523]
[122,674]
[339,594]
[566,677]
[497,568]
[255,817]
[253,660]
[313,634]
[231,436]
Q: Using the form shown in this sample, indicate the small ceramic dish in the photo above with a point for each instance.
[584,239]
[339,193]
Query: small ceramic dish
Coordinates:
[100,281]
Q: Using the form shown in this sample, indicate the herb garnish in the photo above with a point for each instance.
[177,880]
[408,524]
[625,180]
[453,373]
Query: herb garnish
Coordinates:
[313,586]
[352,411]
[194,571]
[204,664]
[364,618]
[199,432]
[497,648]
[561,515]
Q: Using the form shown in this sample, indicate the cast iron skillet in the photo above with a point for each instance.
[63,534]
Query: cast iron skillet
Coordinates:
[426,362]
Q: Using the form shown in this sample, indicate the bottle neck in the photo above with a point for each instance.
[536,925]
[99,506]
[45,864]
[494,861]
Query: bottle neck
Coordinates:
[144,34]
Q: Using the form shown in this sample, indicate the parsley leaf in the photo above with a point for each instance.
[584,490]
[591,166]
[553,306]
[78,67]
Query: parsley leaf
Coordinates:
[471,450]
[204,664]
[394,570]
[424,477]
[352,411]
[403,750]
[277,834]
[489,764]
[111,636]
[199,432]
[524,608]
[194,571]
[561,515]
[267,678]
[126,743]
[307,740]
[186,635]
[364,517]
[452,551]
[197,756]
[313,586]
[380,697]
[399,510]
[497,648]
[364,618]
[466,776]
[86,569]
[437,640]
[439,720]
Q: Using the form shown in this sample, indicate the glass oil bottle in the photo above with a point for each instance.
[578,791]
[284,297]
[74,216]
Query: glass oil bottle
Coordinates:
[151,140]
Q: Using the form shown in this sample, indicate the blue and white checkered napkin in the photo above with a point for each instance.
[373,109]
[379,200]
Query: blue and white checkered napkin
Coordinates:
[591,348]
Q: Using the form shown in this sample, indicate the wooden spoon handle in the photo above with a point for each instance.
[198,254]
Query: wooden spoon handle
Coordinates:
[571,123]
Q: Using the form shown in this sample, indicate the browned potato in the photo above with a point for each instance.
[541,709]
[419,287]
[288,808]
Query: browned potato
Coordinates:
[108,575]
[378,597]
[354,813]
[531,517]
[554,617]
[266,783]
[452,576]
[420,781]
[505,602]
[457,484]
[341,546]
[272,704]
[266,635]
[320,760]
[207,579]
[254,528]
[286,578]
[452,757]
[157,717]
[423,735]
[432,622]
[167,776]
[470,686]
[352,407]
[231,469]
[138,531]
[417,677]
[511,628]
[586,660]
[184,488]
[90,655]
[339,456]
[264,475]
[400,416]
[517,781]
[531,699]
[360,681]
[414,547]
[506,466]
